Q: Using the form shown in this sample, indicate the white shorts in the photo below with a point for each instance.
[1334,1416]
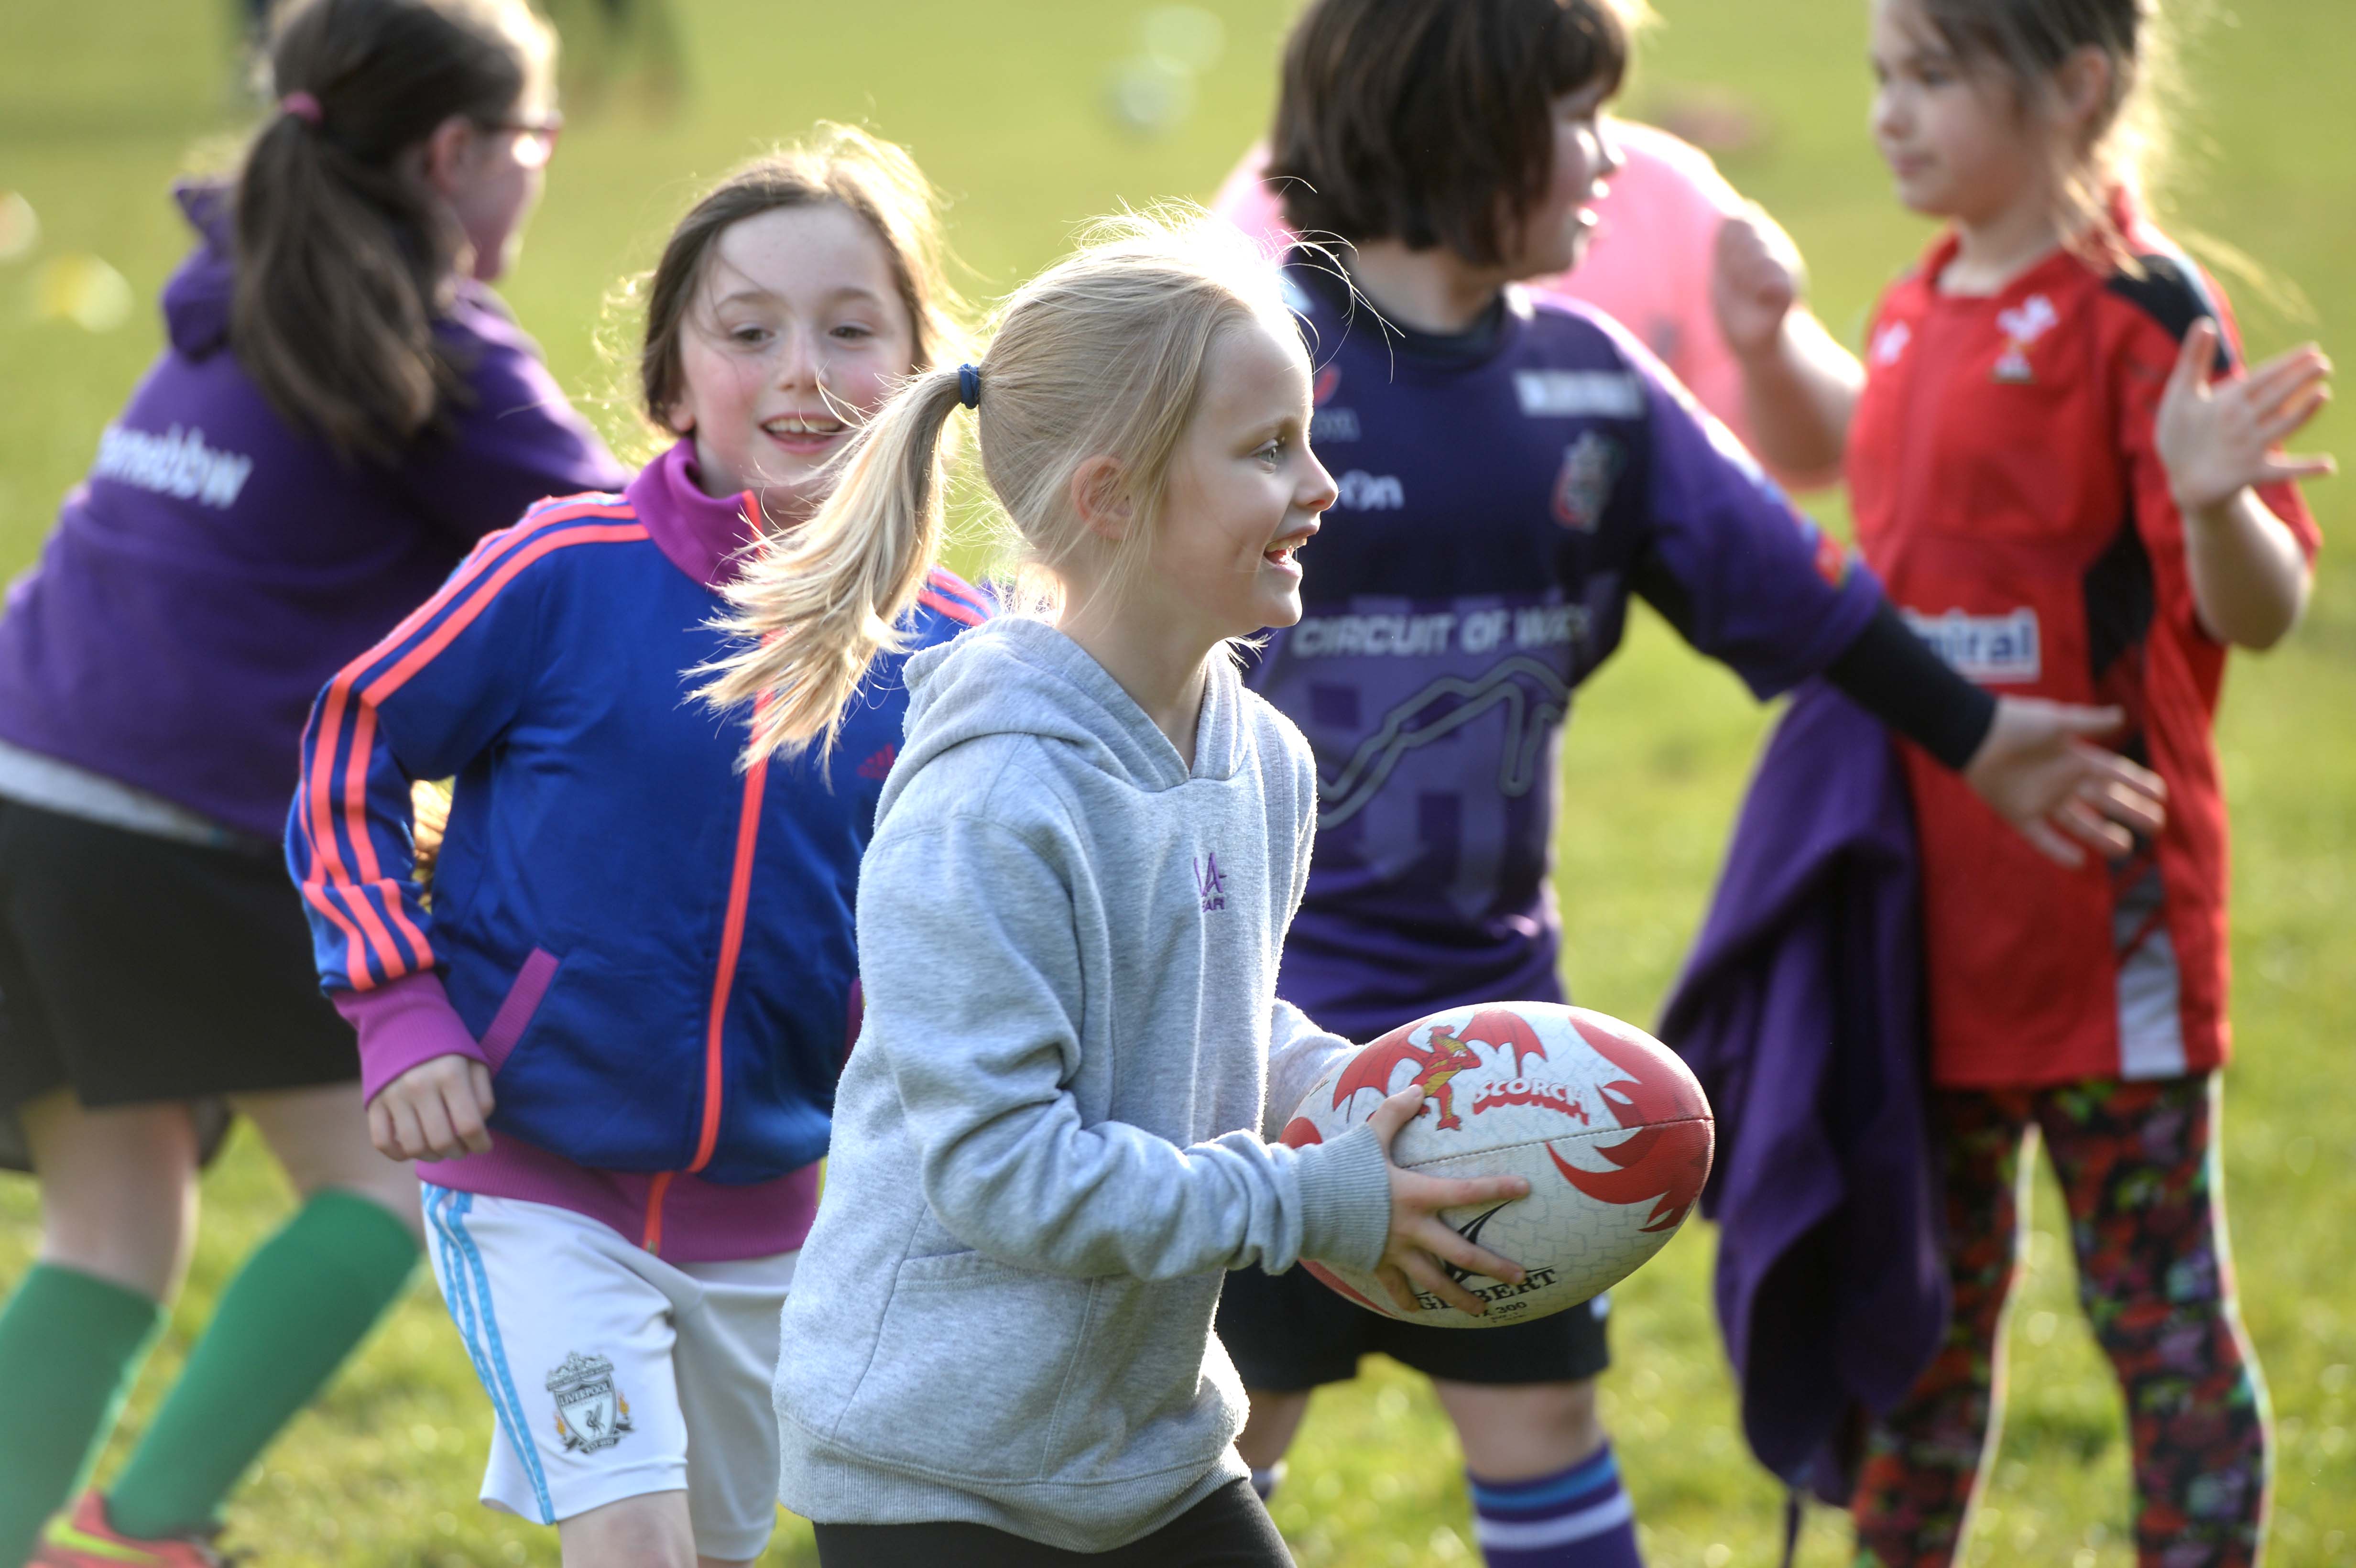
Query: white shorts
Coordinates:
[613,1373]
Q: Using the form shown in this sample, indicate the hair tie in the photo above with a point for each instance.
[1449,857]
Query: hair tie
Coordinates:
[305,107]
[969,386]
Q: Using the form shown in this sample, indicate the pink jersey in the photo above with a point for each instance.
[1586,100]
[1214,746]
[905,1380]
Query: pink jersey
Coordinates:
[1648,266]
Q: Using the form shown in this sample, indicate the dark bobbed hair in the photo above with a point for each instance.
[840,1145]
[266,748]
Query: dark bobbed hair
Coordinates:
[1431,122]
[875,180]
[344,260]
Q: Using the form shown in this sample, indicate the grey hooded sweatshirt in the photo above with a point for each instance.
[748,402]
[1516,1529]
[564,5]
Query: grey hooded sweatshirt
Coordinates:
[1051,1138]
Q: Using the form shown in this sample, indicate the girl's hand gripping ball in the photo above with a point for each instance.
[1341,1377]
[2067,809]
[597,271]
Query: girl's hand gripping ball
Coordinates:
[1425,1255]
[1539,1153]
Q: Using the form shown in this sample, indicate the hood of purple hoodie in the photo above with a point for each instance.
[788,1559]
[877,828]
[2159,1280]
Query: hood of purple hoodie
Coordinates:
[198,295]
[197,299]
[704,536]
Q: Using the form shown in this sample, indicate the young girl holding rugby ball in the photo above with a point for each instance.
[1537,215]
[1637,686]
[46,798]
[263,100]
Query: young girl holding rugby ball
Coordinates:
[1055,1128]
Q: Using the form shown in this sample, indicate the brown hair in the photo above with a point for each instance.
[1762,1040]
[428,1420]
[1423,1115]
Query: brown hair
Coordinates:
[1431,122]
[1100,355]
[841,164]
[344,261]
[2025,43]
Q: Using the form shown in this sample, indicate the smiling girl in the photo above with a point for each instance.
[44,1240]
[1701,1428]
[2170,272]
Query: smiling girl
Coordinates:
[1057,1124]
[616,1026]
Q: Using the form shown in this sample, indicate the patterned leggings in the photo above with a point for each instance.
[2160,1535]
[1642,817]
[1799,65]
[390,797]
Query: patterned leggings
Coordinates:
[2135,1168]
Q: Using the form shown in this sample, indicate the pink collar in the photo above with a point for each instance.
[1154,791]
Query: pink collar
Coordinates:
[703,535]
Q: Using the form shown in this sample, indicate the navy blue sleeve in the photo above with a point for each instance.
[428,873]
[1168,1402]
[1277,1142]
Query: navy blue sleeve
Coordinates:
[1727,561]
[1894,674]
[422,703]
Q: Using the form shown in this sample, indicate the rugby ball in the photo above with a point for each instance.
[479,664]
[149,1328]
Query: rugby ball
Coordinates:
[1609,1128]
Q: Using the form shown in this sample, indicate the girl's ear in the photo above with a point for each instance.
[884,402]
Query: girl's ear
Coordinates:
[2081,86]
[681,419]
[1099,499]
[446,153]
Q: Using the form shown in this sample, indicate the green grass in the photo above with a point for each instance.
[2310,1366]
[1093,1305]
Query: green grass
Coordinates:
[101,100]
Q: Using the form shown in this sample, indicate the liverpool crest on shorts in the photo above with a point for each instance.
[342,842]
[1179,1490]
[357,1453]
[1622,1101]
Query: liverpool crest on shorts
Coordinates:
[591,1412]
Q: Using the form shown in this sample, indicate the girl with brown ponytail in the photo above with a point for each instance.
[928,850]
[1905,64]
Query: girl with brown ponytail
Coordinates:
[343,408]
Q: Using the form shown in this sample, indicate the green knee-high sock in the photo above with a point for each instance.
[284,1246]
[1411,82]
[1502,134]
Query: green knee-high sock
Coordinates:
[295,1311]
[68,1345]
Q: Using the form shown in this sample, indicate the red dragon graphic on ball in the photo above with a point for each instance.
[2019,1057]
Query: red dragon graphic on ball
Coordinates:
[1662,1161]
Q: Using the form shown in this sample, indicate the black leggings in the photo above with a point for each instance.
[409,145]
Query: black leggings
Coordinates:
[1229,1529]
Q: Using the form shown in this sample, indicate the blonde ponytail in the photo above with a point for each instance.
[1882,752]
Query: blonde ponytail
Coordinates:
[816,604]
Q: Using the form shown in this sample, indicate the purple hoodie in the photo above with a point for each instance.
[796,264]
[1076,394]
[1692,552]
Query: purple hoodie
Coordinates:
[1801,1011]
[218,564]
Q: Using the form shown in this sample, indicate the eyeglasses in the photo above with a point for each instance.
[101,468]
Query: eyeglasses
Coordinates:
[535,139]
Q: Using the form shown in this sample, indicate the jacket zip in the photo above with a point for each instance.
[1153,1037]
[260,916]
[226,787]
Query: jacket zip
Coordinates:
[732,946]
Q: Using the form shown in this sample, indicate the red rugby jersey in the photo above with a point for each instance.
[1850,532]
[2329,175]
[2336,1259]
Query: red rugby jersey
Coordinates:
[2007,492]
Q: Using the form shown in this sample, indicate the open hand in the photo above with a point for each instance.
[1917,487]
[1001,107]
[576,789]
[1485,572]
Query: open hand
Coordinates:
[2037,770]
[1422,1245]
[433,1111]
[2217,439]
[1756,277]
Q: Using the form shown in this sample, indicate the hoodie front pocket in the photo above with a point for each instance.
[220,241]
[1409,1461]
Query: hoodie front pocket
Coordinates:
[972,1361]
[516,1009]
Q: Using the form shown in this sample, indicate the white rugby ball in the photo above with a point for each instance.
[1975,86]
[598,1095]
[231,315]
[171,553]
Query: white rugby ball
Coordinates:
[1608,1126]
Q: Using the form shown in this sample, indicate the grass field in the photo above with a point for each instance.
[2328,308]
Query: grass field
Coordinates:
[1003,100]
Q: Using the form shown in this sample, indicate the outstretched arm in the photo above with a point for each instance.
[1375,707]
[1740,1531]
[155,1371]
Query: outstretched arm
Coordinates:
[2028,758]
[1748,580]
[1799,386]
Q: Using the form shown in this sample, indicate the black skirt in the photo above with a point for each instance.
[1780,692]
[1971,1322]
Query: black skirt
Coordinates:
[136,969]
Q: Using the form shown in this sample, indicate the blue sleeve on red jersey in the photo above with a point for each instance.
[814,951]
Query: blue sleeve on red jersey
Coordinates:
[1743,576]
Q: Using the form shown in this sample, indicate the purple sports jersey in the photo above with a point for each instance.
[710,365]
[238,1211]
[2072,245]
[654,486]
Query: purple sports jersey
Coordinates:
[1501,495]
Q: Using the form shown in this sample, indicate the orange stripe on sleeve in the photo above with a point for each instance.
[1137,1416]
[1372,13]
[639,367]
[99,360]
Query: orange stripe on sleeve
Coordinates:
[325,850]
[356,767]
[487,553]
[355,956]
[447,632]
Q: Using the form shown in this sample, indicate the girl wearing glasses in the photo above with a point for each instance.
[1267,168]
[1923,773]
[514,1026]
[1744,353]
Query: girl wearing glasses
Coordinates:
[343,408]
